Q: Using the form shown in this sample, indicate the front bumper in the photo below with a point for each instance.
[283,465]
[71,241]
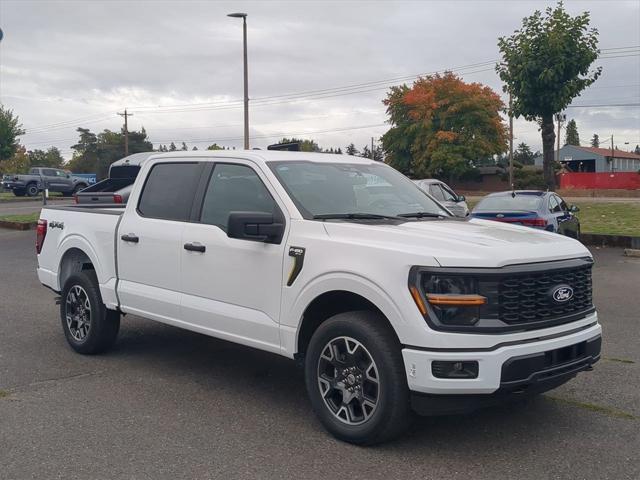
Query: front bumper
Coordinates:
[512,366]
[13,185]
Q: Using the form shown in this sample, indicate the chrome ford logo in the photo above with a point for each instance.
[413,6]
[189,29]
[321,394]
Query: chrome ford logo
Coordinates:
[562,293]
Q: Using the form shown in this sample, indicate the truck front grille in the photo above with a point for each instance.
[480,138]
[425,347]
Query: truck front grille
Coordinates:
[529,297]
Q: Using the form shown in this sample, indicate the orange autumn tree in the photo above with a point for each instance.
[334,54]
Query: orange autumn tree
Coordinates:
[442,125]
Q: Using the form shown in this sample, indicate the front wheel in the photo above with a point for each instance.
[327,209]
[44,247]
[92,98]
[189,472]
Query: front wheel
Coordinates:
[32,190]
[356,379]
[88,325]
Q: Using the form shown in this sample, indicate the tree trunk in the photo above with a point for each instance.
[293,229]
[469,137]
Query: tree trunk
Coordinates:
[548,139]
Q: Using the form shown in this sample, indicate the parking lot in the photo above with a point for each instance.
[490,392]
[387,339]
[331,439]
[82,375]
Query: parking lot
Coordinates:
[167,403]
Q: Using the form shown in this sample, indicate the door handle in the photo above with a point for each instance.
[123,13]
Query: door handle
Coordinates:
[195,247]
[130,237]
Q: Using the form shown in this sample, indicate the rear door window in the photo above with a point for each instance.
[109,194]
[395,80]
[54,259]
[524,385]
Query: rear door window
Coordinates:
[48,172]
[169,190]
[436,192]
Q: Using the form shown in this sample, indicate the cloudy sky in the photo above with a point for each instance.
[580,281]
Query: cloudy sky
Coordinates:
[316,69]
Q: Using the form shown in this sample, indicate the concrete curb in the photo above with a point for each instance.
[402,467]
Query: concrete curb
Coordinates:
[18,225]
[622,241]
[632,252]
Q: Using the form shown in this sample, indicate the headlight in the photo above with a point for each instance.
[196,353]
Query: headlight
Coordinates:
[449,300]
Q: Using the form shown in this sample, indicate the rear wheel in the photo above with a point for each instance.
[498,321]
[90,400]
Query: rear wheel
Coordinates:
[356,379]
[88,325]
[77,188]
[32,190]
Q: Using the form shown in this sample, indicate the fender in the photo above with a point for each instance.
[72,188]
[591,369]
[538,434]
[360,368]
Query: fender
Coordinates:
[331,281]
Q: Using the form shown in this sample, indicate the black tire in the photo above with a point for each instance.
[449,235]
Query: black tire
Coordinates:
[19,192]
[32,189]
[77,188]
[392,412]
[103,324]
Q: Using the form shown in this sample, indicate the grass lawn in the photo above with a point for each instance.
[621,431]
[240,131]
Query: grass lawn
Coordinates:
[9,197]
[29,218]
[606,218]
[610,218]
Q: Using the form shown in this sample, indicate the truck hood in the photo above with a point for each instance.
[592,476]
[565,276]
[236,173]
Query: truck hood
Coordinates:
[461,243]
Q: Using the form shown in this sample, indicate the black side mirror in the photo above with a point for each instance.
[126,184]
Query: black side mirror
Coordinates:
[461,198]
[256,226]
[68,176]
[574,209]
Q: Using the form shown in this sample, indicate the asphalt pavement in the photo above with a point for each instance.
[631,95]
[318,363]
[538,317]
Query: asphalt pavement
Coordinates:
[168,403]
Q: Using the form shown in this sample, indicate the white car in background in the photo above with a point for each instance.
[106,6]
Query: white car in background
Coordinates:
[445,195]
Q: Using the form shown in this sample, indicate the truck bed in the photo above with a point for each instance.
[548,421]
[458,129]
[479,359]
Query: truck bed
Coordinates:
[82,228]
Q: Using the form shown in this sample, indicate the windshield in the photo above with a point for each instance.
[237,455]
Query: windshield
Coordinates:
[330,189]
[529,203]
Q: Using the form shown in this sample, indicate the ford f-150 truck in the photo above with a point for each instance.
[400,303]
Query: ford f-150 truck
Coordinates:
[39,178]
[390,303]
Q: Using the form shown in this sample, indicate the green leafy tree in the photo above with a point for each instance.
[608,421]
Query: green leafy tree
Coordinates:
[215,146]
[19,163]
[545,65]
[441,126]
[95,153]
[571,136]
[10,130]
[49,158]
[523,154]
[351,149]
[172,147]
[184,147]
[595,141]
[194,148]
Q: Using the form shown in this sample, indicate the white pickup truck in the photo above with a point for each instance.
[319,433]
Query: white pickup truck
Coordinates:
[391,304]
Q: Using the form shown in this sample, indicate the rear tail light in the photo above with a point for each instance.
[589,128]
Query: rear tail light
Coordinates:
[117,198]
[535,222]
[41,233]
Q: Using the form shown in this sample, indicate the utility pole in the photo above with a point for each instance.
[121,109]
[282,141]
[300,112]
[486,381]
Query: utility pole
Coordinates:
[511,182]
[243,16]
[126,131]
[373,157]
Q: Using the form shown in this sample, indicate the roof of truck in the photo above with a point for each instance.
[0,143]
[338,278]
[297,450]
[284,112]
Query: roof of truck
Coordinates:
[264,156]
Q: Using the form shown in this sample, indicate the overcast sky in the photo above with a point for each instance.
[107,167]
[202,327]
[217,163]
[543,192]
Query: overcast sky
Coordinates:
[177,65]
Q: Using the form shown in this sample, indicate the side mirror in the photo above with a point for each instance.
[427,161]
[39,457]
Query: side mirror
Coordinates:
[256,226]
[574,209]
[461,198]
[68,176]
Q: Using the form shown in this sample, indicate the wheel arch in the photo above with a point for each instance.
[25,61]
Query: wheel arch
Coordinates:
[337,295]
[72,261]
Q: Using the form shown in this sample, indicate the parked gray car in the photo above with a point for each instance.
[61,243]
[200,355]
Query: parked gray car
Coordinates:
[39,178]
[445,195]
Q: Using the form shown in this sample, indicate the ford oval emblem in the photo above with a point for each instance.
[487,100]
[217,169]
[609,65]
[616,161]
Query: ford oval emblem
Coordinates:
[500,215]
[562,293]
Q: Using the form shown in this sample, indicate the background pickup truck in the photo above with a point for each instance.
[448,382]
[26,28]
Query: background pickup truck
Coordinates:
[31,184]
[388,302]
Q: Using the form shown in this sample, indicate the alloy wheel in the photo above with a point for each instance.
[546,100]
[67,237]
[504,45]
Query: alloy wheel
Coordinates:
[348,380]
[78,313]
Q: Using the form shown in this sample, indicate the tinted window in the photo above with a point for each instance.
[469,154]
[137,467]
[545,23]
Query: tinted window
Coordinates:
[34,171]
[234,188]
[436,192]
[168,191]
[48,172]
[563,206]
[527,203]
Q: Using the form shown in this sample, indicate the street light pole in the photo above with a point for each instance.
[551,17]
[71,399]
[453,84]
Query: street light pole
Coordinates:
[246,76]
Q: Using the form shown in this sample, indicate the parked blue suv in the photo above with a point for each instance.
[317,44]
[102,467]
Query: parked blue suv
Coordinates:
[532,208]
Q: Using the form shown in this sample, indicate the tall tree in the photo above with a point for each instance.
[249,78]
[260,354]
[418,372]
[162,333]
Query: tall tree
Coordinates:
[305,145]
[595,140]
[184,147]
[10,130]
[19,163]
[545,65]
[172,147]
[441,125]
[523,154]
[49,158]
[215,146]
[571,136]
[351,149]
